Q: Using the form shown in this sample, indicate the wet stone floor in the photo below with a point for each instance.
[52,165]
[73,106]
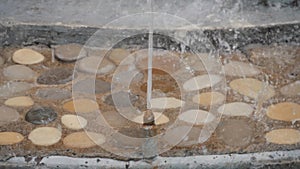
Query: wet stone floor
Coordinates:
[60,101]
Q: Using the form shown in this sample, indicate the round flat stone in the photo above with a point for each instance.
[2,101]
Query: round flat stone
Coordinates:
[292,89]
[286,111]
[45,136]
[124,99]
[236,109]
[82,106]
[9,138]
[117,55]
[96,65]
[252,88]
[73,122]
[43,115]
[159,119]
[84,86]
[27,57]
[19,72]
[196,117]
[283,136]
[201,82]
[8,115]
[56,76]
[83,140]
[235,133]
[241,69]
[209,98]
[11,88]
[69,52]
[166,103]
[22,101]
[53,94]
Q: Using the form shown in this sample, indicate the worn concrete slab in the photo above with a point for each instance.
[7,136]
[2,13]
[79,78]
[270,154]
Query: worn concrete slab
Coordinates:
[277,159]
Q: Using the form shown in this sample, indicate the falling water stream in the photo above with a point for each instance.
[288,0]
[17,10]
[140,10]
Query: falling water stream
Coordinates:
[150,54]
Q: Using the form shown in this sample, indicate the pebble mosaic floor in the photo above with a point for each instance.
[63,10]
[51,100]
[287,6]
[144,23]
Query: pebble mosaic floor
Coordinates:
[259,105]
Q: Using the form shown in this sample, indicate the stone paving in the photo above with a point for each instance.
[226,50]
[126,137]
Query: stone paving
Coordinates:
[255,99]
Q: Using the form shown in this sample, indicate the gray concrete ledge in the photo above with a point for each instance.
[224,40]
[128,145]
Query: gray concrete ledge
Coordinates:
[276,159]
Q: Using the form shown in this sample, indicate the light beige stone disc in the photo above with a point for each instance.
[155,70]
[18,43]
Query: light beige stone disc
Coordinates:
[166,103]
[252,88]
[236,109]
[73,122]
[285,111]
[21,101]
[209,98]
[283,136]
[82,106]
[196,117]
[83,139]
[9,138]
[27,57]
[45,136]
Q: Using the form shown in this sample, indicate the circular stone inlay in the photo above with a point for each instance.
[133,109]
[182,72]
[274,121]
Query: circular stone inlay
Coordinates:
[69,52]
[252,88]
[8,115]
[56,76]
[285,111]
[201,82]
[53,94]
[9,138]
[45,136]
[236,109]
[73,122]
[83,140]
[82,106]
[235,133]
[159,119]
[19,72]
[283,136]
[209,98]
[43,115]
[27,57]
[22,101]
[196,117]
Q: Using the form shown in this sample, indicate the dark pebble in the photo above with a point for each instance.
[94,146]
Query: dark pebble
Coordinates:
[56,76]
[43,115]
